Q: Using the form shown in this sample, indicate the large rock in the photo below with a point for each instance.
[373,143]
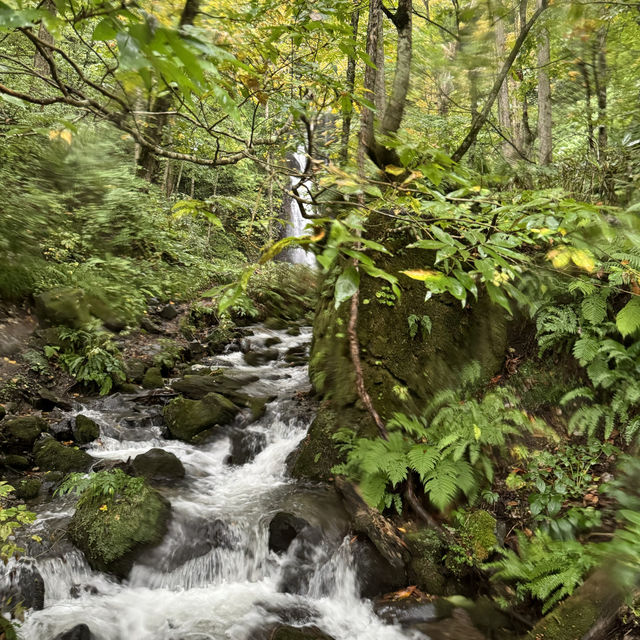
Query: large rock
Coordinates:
[152,378]
[258,358]
[245,446]
[28,488]
[85,430]
[285,632]
[51,455]
[376,576]
[21,586]
[425,567]
[192,420]
[157,465]
[283,528]
[112,531]
[21,433]
[79,632]
[66,306]
[111,319]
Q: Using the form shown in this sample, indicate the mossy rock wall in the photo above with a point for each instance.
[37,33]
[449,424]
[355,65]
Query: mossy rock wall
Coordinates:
[402,373]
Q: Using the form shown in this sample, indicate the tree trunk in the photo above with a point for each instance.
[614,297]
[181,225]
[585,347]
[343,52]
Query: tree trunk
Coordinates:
[39,62]
[380,97]
[351,80]
[147,161]
[600,74]
[545,137]
[588,108]
[509,152]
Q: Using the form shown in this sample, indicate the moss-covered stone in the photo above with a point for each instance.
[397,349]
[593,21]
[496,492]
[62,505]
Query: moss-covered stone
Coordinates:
[15,461]
[128,387]
[157,465]
[479,529]
[192,420]
[135,369]
[153,378]
[425,566]
[22,432]
[275,323]
[112,531]
[65,306]
[51,455]
[28,488]
[111,318]
[293,331]
[85,429]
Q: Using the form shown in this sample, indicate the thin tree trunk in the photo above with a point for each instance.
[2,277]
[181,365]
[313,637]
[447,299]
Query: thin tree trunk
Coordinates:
[600,74]
[504,104]
[480,118]
[545,135]
[39,62]
[147,161]
[380,98]
[588,108]
[351,80]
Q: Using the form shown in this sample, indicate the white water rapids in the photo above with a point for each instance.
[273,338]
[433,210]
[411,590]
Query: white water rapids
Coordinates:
[232,590]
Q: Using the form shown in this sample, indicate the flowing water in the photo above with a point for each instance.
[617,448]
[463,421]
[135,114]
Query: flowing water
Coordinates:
[213,576]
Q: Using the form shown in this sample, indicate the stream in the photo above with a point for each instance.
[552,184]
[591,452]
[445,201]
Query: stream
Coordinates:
[214,576]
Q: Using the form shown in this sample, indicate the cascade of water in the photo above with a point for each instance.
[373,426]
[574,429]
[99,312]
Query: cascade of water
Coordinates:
[297,221]
[190,588]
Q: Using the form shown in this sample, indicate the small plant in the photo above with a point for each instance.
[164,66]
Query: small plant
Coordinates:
[545,569]
[11,519]
[90,357]
[105,484]
[419,323]
[385,296]
[170,354]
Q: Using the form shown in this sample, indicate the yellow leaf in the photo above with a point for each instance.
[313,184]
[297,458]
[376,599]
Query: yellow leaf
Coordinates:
[583,259]
[476,432]
[103,507]
[559,257]
[420,274]
[393,170]
[66,136]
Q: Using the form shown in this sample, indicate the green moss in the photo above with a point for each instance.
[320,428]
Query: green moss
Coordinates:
[425,566]
[112,530]
[65,306]
[479,528]
[23,431]
[85,430]
[191,420]
[7,629]
[28,488]
[51,455]
[16,462]
[153,378]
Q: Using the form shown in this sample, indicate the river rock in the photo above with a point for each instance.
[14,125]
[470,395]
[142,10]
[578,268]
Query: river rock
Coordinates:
[21,585]
[28,488]
[85,430]
[51,455]
[275,323]
[283,529]
[65,306]
[191,420]
[111,319]
[135,369]
[245,446]
[286,632]
[113,531]
[168,312]
[153,378]
[63,429]
[307,552]
[21,433]
[3,412]
[376,575]
[158,465]
[47,400]
[79,632]
[15,461]
[458,626]
[405,612]
[258,358]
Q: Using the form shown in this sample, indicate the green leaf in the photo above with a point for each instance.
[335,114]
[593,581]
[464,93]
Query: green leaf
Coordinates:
[628,318]
[346,285]
[105,30]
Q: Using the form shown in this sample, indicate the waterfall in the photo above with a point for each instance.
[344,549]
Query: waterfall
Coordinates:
[297,222]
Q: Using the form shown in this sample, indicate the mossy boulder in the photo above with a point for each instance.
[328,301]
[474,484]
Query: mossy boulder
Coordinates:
[153,378]
[478,528]
[85,429]
[21,433]
[111,319]
[67,306]
[276,324]
[425,566]
[258,358]
[28,488]
[15,461]
[192,420]
[51,455]
[157,465]
[112,531]
[135,369]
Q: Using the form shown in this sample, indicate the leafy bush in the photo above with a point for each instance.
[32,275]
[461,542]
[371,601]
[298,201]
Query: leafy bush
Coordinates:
[103,484]
[11,519]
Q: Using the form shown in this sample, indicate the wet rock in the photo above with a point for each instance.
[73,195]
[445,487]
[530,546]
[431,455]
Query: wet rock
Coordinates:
[283,529]
[196,350]
[294,614]
[65,306]
[14,461]
[258,358]
[149,326]
[157,465]
[190,420]
[376,575]
[62,430]
[425,565]
[245,446]
[21,585]
[306,553]
[293,331]
[196,387]
[153,378]
[296,355]
[51,455]
[28,488]
[79,632]
[135,369]
[111,319]
[21,433]
[46,400]
[112,532]
[85,430]
[272,341]
[405,612]
[286,632]
[168,312]
[275,323]
[128,387]
[458,626]
[77,590]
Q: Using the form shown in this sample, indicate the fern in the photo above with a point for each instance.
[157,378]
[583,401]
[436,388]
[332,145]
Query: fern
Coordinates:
[543,568]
